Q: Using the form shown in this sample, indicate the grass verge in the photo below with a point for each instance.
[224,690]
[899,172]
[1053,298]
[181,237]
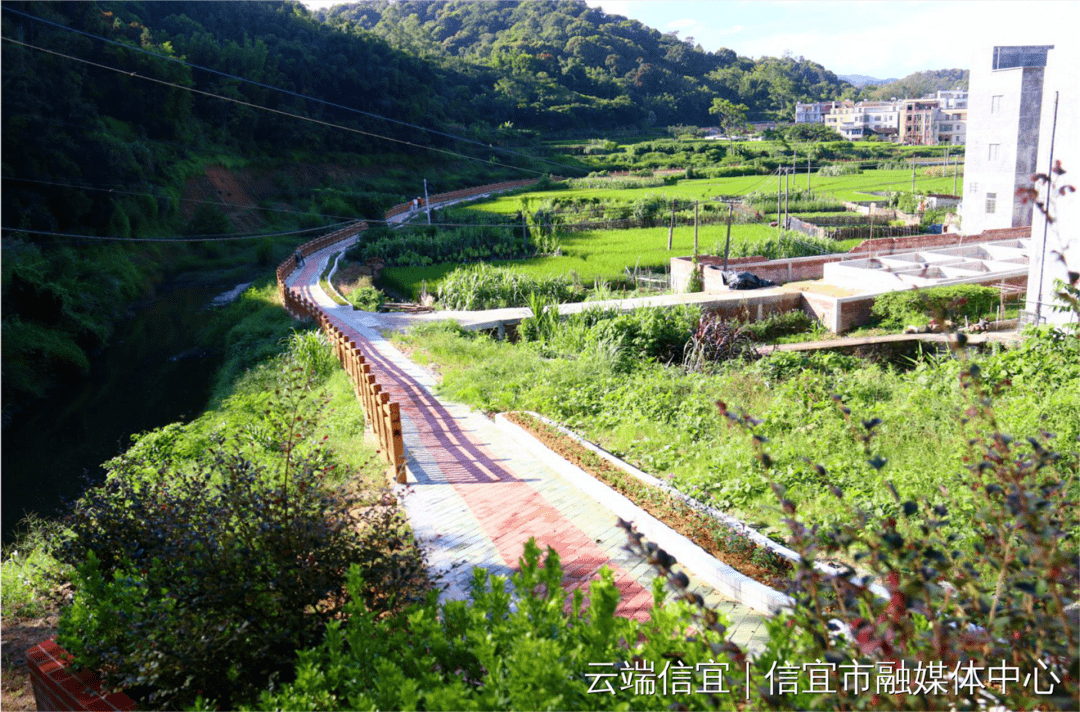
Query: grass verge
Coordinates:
[720,540]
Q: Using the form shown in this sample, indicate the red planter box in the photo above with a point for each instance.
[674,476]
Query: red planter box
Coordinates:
[57,688]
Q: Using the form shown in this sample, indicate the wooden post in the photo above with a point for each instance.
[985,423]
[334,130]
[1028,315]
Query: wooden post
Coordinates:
[779,185]
[671,228]
[727,240]
[787,193]
[695,227]
[398,444]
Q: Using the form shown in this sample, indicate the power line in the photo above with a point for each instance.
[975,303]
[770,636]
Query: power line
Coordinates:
[272,111]
[204,238]
[186,200]
[292,93]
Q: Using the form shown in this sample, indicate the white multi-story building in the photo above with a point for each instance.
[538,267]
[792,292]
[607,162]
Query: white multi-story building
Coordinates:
[1056,244]
[866,118]
[1003,128]
[814,113]
[952,98]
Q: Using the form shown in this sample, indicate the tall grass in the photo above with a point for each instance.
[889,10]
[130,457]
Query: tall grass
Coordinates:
[485,287]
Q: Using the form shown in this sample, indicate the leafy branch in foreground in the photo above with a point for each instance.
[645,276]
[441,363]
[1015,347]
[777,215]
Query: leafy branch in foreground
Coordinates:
[989,619]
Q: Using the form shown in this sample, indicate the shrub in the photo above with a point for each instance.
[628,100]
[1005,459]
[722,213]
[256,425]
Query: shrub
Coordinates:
[776,325]
[485,287]
[918,306]
[696,283]
[840,169]
[528,648]
[787,245]
[31,572]
[207,575]
[651,333]
[797,201]
[366,298]
[991,614]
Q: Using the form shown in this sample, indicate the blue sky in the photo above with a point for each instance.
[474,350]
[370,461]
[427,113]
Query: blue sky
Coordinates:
[881,39]
[891,38]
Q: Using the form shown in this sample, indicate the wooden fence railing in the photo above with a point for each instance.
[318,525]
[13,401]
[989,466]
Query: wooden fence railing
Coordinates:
[461,194]
[383,415]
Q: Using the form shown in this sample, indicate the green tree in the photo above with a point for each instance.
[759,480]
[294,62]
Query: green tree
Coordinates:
[729,115]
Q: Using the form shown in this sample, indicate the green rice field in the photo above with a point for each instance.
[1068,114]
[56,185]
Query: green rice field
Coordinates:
[601,254]
[605,254]
[851,188]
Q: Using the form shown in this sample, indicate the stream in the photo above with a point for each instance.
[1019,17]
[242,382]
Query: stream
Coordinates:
[151,373]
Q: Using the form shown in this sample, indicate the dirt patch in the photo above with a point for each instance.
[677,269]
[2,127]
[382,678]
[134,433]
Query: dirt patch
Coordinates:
[714,537]
[19,635]
[817,287]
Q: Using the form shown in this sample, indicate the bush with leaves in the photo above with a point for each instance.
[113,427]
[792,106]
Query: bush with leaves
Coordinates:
[997,612]
[482,286]
[205,576]
[774,326]
[918,306]
[525,649]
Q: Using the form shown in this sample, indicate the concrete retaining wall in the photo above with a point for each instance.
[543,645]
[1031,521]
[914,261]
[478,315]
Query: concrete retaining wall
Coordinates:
[798,269]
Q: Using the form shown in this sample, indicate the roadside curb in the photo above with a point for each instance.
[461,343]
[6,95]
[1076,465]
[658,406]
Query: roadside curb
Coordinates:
[737,525]
[720,576]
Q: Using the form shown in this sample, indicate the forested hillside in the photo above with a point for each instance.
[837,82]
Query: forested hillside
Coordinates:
[920,84]
[562,64]
[104,125]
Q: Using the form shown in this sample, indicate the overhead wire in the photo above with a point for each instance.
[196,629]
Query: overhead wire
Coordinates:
[186,238]
[177,60]
[185,200]
[272,111]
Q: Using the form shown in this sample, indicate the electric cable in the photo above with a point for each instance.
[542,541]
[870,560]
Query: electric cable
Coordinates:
[202,238]
[291,93]
[274,111]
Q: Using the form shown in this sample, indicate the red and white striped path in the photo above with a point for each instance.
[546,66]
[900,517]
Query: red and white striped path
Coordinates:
[474,498]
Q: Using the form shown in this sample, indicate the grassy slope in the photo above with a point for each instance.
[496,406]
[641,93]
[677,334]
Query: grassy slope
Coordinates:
[665,421]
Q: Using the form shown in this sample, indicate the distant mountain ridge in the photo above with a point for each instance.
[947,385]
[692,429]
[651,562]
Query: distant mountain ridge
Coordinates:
[922,84]
[862,80]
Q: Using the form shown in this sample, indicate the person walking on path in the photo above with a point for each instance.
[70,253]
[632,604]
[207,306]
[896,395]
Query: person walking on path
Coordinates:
[299,258]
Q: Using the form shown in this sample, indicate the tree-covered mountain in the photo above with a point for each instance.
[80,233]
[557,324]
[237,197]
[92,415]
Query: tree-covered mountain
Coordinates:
[103,124]
[920,84]
[559,64]
[861,80]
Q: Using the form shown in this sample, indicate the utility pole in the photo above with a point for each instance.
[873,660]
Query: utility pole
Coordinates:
[955,172]
[1046,217]
[671,229]
[779,181]
[808,172]
[913,175]
[787,194]
[695,227]
[727,240]
[524,234]
[427,203]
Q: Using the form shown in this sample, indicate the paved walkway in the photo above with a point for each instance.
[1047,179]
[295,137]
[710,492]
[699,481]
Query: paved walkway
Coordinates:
[474,498]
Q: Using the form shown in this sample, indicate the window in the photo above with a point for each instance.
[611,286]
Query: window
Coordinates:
[991,202]
[995,104]
[995,150]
